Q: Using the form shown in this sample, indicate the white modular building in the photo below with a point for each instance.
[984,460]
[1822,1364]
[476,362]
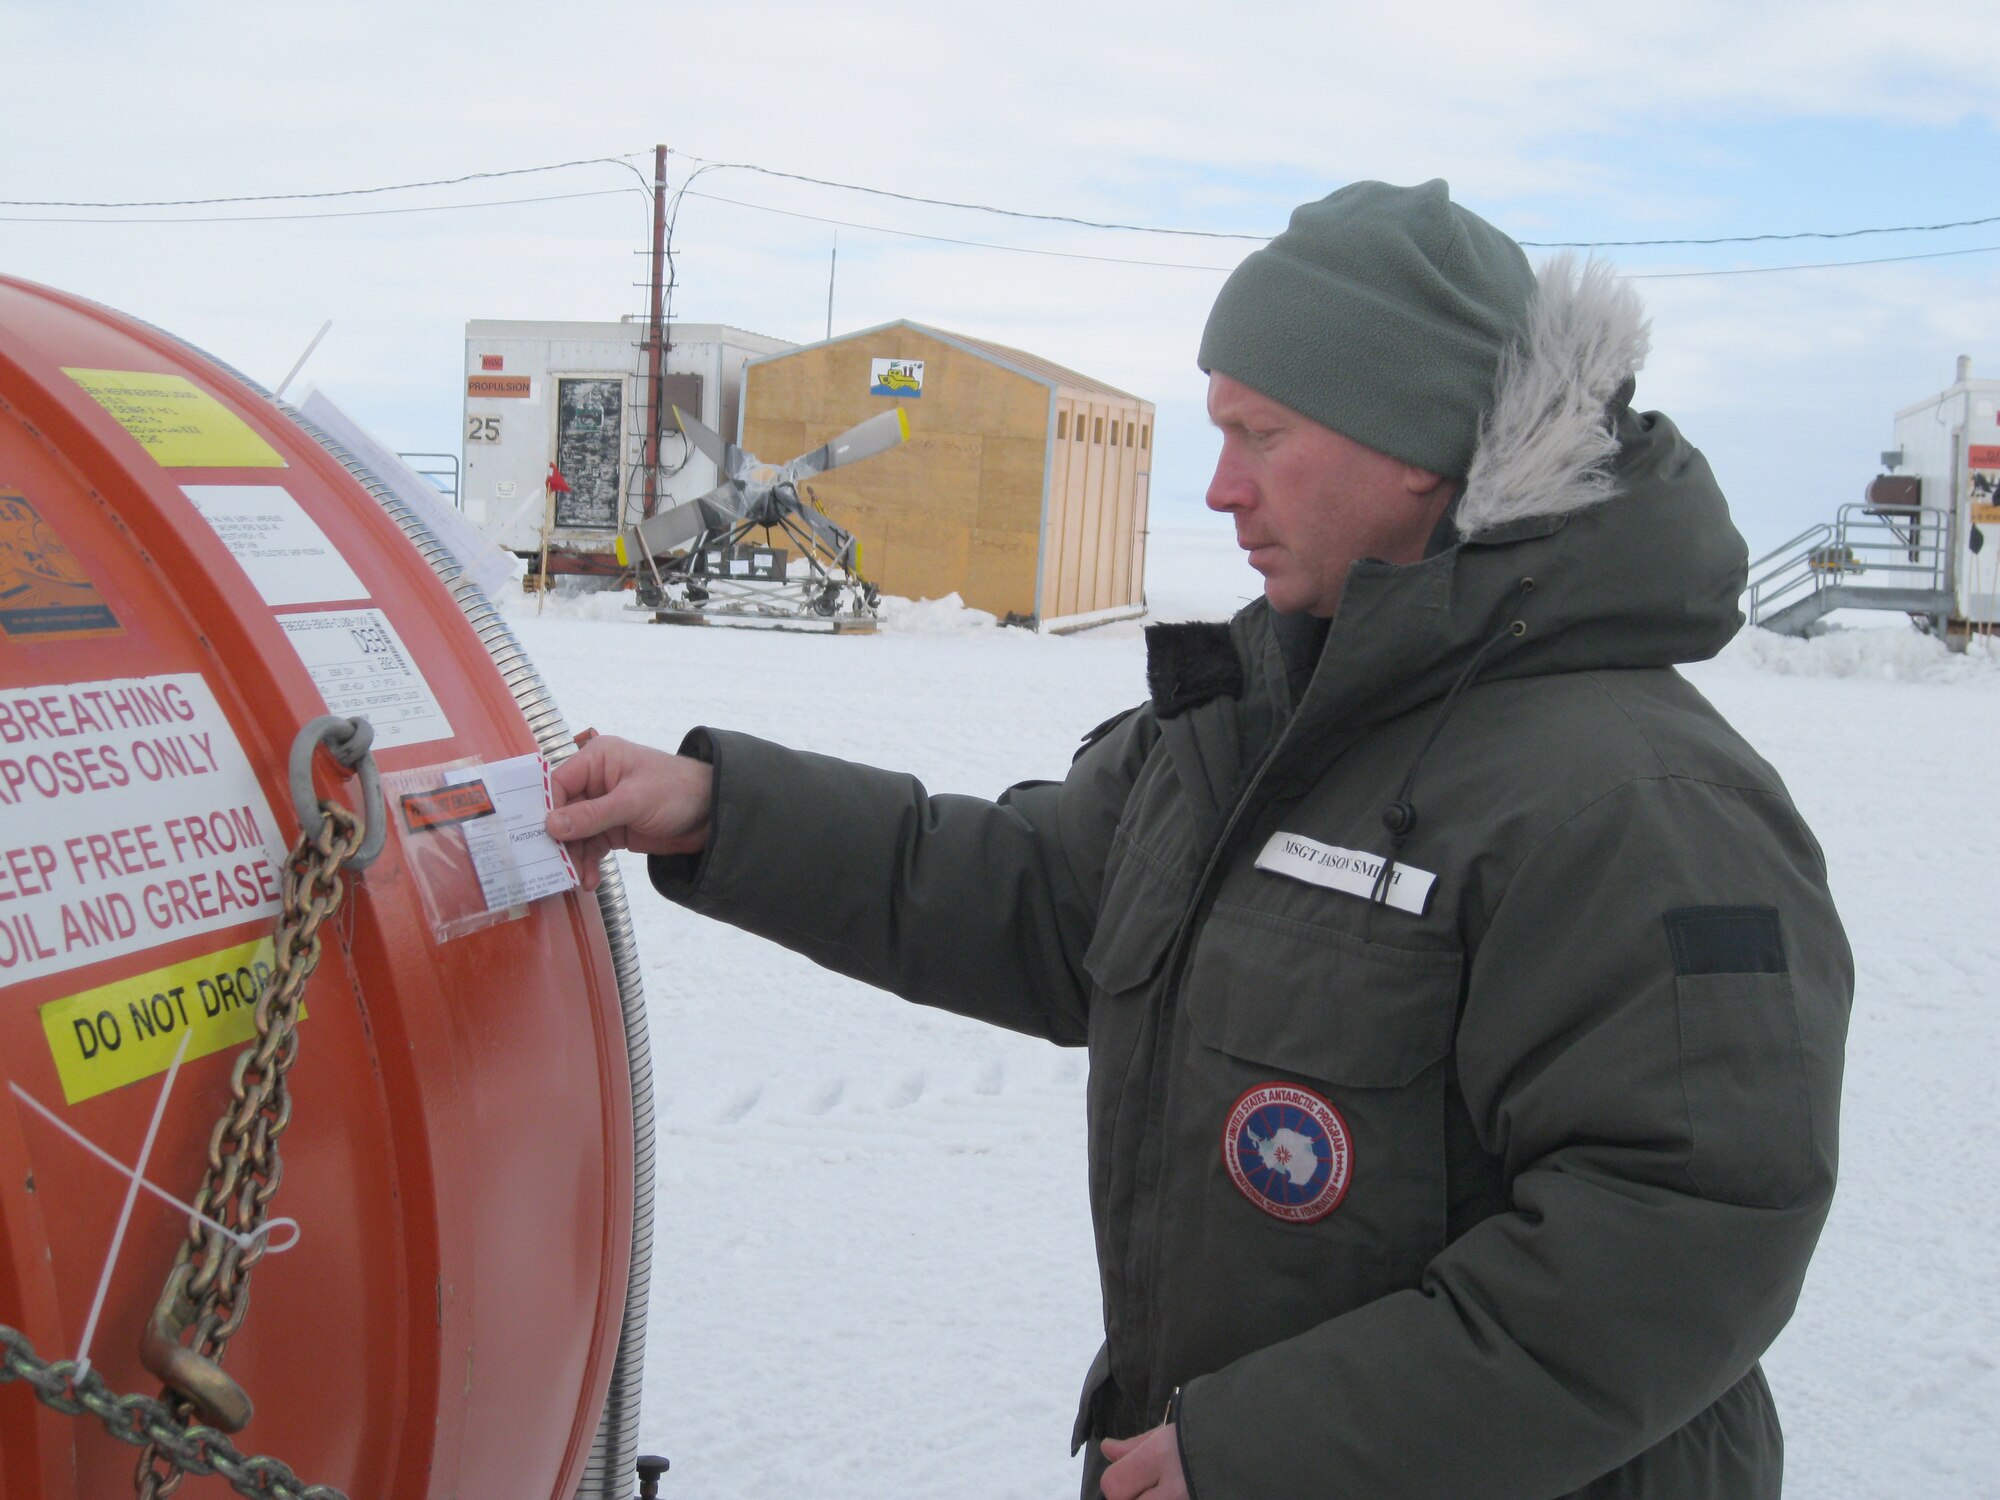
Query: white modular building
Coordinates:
[1948,453]
[573,396]
[1923,539]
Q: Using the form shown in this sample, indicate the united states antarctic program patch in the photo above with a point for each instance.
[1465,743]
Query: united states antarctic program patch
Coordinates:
[1288,1151]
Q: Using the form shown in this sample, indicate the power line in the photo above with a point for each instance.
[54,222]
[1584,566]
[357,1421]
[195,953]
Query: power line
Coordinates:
[704,165]
[334,213]
[1176,265]
[1116,260]
[1751,239]
[911,234]
[362,192]
[1818,265]
[984,208]
[1013,213]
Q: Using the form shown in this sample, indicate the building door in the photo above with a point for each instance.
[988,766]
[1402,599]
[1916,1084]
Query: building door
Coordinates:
[590,413]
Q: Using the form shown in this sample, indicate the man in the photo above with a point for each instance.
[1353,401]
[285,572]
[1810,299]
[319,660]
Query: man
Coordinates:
[1464,998]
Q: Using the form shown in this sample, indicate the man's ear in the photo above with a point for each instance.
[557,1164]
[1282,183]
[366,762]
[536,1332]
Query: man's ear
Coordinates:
[1421,482]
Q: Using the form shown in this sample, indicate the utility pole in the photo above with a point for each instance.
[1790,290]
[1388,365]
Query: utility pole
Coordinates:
[656,334]
[832,265]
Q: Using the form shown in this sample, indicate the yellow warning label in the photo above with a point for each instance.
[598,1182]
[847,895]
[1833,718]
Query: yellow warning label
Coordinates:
[180,424]
[122,1032]
[1985,515]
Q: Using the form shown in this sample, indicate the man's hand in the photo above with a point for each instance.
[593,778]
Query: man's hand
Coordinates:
[1149,1464]
[613,794]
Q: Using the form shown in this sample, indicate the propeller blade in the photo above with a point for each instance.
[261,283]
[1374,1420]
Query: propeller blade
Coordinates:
[667,530]
[876,435]
[663,532]
[726,456]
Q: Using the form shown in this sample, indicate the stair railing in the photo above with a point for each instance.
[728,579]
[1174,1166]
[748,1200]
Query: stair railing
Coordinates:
[1909,546]
[1770,590]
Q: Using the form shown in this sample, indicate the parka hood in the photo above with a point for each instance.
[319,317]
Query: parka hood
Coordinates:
[1594,535]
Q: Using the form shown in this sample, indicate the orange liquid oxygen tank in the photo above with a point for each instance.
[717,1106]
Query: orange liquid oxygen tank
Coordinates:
[188,575]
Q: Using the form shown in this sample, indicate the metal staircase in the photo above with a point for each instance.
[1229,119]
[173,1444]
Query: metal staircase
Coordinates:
[1863,559]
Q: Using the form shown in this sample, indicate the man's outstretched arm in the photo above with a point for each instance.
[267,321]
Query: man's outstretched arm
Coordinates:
[613,794]
[980,907]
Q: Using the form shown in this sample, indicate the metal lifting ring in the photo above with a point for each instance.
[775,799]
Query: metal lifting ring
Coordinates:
[348,742]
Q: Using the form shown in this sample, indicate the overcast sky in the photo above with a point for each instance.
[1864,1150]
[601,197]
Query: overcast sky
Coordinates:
[1557,121]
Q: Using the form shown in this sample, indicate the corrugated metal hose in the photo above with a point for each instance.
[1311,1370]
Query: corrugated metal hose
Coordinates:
[608,1475]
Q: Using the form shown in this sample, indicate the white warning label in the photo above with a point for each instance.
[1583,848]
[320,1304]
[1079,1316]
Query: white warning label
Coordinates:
[129,816]
[361,666]
[287,556]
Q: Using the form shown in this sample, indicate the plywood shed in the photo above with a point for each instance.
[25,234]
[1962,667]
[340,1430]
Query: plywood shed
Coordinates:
[1023,486]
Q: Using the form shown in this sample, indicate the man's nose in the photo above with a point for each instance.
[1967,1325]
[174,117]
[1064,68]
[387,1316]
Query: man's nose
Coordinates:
[1227,490]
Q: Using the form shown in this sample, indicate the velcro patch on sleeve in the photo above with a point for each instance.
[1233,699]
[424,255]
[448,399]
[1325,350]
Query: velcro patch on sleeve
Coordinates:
[1726,940]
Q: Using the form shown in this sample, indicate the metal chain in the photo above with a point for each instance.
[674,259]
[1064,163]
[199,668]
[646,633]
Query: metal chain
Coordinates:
[208,1289]
[144,1420]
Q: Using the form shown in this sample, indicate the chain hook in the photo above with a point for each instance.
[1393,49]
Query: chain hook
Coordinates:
[348,742]
[215,1396]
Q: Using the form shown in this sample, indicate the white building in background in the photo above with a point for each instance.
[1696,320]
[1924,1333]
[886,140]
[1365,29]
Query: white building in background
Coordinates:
[573,395]
[1948,451]
[1924,539]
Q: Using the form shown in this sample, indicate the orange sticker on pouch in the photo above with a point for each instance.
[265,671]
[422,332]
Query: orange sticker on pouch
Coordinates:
[446,805]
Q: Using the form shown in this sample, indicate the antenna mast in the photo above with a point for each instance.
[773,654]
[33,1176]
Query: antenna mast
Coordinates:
[656,334]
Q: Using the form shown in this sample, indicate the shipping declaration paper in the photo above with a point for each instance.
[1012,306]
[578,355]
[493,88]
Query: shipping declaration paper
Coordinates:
[512,853]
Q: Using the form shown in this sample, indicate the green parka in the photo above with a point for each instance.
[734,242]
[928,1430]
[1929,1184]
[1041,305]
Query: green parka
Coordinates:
[1576,1105]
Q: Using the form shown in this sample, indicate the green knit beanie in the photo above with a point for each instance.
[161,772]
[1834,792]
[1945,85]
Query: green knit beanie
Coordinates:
[1380,312]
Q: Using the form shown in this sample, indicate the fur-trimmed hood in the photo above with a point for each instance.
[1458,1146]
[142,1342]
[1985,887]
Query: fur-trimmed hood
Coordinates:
[1547,444]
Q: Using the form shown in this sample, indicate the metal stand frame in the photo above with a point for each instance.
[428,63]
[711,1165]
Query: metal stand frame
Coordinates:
[827,595]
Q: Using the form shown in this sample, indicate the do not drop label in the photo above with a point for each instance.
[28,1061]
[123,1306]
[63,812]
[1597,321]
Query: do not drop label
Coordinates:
[119,1033]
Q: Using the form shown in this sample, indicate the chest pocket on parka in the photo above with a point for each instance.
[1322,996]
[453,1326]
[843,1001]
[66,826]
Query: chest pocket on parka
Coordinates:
[1369,1029]
[1317,1003]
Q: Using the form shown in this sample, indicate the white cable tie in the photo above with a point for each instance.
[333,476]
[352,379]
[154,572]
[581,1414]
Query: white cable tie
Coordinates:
[125,1211]
[244,1240]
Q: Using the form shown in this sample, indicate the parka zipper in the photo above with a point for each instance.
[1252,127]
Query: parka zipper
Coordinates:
[1157,1085]
[1160,1082]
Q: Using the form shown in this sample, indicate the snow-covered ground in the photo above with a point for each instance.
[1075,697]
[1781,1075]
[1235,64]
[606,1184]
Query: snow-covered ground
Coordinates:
[874,1270]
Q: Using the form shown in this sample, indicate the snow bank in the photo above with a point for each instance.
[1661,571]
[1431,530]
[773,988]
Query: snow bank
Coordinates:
[946,616]
[1898,654]
[581,599]
[570,599]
